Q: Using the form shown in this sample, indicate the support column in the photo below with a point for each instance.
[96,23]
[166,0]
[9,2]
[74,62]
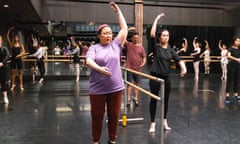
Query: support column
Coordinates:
[138,8]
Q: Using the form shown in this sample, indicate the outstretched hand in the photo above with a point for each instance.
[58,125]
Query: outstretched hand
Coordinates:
[115,7]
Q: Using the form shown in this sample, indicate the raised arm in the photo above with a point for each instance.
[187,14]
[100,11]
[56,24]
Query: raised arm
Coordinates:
[194,42]
[220,45]
[122,35]
[207,44]
[154,25]
[8,36]
[185,43]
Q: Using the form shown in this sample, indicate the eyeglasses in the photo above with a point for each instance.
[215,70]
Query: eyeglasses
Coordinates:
[106,33]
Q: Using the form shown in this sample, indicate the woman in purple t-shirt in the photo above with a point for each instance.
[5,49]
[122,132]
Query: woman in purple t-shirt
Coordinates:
[106,83]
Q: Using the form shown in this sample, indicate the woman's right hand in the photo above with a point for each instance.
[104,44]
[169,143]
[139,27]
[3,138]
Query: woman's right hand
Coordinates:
[115,7]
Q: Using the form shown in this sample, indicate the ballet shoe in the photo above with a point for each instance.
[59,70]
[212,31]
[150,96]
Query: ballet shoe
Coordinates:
[167,128]
[5,100]
[12,87]
[41,80]
[165,125]
[21,88]
[152,128]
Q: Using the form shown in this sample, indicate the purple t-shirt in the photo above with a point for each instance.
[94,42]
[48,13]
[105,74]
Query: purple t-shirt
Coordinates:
[107,56]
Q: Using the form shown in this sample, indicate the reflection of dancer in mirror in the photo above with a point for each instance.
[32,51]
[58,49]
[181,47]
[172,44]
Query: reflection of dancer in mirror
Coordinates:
[16,63]
[76,59]
[163,54]
[33,49]
[39,54]
[4,55]
[224,59]
[207,58]
[233,70]
[196,57]
[106,82]
[182,52]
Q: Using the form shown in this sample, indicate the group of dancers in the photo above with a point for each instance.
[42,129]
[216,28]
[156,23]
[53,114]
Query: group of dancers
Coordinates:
[106,83]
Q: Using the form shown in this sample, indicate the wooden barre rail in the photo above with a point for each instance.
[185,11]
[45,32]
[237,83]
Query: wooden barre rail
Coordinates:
[144,75]
[143,90]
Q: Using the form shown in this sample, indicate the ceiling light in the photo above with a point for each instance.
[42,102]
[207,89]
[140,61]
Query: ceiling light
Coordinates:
[5,6]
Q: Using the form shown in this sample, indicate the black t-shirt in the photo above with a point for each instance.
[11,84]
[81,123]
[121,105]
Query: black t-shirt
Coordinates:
[162,60]
[235,53]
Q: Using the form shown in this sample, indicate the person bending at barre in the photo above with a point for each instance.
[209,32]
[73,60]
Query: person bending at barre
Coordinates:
[196,58]
[163,54]
[224,59]
[135,60]
[183,52]
[4,55]
[18,51]
[233,70]
[106,82]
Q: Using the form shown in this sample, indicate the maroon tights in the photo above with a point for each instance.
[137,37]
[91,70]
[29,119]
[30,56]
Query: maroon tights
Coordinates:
[113,102]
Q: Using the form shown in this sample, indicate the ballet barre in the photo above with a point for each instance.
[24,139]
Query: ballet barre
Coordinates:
[159,98]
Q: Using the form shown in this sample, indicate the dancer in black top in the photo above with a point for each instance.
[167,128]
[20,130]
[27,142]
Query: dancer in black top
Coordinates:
[16,63]
[233,70]
[196,57]
[163,55]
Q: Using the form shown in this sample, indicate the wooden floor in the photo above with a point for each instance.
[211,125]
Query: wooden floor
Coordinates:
[58,112]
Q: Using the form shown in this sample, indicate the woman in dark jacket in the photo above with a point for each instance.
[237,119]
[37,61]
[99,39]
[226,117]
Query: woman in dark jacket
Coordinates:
[4,55]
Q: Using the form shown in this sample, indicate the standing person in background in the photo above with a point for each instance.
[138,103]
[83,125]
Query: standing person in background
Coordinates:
[207,58]
[76,59]
[39,54]
[224,59]
[233,70]
[135,60]
[163,54]
[106,82]
[4,55]
[182,52]
[83,54]
[196,58]
[18,51]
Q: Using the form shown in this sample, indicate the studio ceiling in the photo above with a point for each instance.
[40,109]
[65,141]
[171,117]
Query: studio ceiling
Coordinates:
[23,14]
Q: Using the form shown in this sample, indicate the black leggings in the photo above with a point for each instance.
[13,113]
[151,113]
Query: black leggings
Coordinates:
[155,87]
[41,67]
[3,79]
[233,71]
